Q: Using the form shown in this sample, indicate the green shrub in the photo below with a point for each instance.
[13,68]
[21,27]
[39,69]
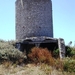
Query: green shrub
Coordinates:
[70,51]
[73,52]
[56,53]
[8,51]
[69,65]
[6,45]
[11,54]
[12,42]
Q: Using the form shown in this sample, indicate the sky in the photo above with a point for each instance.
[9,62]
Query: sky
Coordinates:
[63,19]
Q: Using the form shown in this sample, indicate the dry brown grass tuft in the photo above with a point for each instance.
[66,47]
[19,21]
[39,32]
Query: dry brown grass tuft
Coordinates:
[41,55]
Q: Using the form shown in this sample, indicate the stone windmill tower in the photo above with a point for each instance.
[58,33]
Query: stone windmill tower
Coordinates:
[33,18]
[35,26]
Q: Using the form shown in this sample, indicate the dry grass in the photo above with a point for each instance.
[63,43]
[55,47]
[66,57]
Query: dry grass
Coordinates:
[30,69]
[41,55]
[46,64]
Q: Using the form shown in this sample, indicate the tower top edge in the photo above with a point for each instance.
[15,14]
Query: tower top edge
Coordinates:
[34,0]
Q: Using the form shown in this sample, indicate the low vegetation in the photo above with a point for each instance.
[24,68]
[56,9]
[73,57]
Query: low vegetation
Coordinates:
[40,57]
[8,51]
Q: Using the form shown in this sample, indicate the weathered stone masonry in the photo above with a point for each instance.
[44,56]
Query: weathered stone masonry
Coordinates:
[34,18]
[34,26]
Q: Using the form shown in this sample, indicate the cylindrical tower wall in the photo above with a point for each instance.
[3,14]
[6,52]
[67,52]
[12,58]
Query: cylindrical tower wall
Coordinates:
[34,18]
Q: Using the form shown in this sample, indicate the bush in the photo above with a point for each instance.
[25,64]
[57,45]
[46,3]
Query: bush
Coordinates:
[6,45]
[56,53]
[41,55]
[8,51]
[58,64]
[2,40]
[11,54]
[73,52]
[70,51]
[69,65]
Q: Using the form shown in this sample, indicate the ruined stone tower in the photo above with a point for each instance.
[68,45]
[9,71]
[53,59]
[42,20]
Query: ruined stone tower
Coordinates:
[33,18]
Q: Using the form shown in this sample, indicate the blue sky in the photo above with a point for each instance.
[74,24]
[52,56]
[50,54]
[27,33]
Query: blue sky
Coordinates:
[63,19]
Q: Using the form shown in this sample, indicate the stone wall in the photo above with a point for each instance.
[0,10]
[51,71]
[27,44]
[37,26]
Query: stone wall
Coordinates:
[34,18]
